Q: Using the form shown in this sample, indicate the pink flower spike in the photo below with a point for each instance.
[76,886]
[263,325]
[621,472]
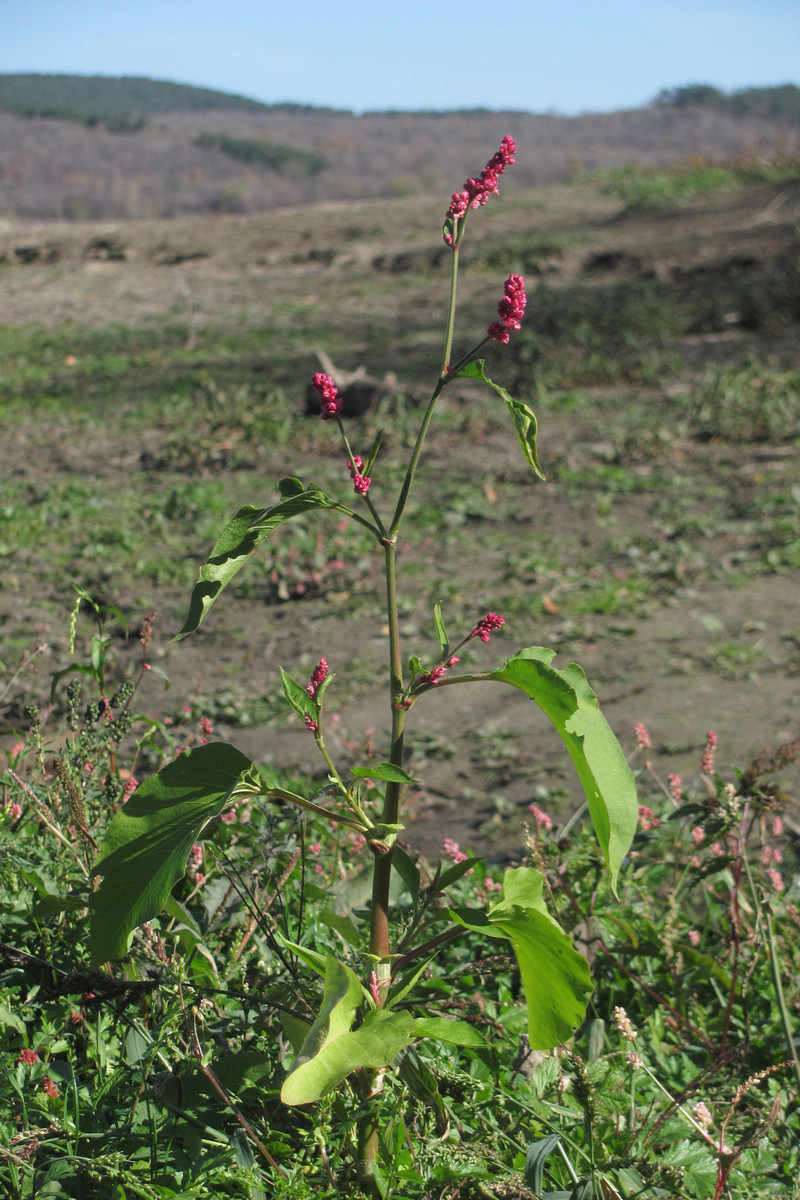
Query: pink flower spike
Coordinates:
[487,625]
[707,766]
[453,851]
[542,818]
[330,402]
[360,482]
[476,192]
[642,737]
[319,675]
[311,724]
[511,309]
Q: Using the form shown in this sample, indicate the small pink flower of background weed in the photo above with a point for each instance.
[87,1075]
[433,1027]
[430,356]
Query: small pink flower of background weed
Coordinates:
[15,811]
[647,818]
[777,826]
[28,1057]
[702,1115]
[49,1088]
[453,850]
[541,817]
[707,766]
[487,625]
[330,402]
[694,937]
[511,309]
[776,879]
[675,784]
[642,737]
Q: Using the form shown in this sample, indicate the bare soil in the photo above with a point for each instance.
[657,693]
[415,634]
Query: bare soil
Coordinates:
[662,662]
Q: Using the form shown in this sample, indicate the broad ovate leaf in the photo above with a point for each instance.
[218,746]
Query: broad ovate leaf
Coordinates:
[555,977]
[566,698]
[146,845]
[332,1049]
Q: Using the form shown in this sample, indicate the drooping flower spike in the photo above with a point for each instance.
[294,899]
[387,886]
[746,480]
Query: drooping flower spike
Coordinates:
[511,309]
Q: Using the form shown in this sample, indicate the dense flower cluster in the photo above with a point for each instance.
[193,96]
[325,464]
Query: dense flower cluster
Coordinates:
[28,1057]
[487,625]
[511,309]
[476,192]
[330,402]
[319,675]
[360,482]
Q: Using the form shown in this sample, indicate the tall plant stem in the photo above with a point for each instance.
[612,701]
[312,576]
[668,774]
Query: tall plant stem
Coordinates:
[441,383]
[379,930]
[371,1081]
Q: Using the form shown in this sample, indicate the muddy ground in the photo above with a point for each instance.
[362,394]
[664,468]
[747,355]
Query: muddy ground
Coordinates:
[711,641]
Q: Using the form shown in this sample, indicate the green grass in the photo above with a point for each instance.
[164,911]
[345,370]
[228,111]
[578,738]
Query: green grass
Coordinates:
[101,1095]
[647,190]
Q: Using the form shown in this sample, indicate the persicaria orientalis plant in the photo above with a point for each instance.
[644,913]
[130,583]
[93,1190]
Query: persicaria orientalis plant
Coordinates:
[369,1017]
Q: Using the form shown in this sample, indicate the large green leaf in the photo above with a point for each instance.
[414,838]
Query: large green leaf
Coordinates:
[555,977]
[569,702]
[146,845]
[522,416]
[241,537]
[332,1050]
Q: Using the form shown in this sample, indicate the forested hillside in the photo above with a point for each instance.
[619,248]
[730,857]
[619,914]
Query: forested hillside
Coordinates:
[91,148]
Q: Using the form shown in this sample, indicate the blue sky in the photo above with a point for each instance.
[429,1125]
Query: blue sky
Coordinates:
[567,56]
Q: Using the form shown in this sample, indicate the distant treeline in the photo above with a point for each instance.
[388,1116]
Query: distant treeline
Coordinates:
[261,153]
[121,104]
[781,102]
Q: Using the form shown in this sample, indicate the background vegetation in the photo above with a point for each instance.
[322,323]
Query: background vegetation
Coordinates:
[194,150]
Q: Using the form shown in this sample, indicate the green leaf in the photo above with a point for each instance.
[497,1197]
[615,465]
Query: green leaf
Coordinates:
[241,537]
[555,977]
[146,845]
[522,416]
[441,632]
[457,1033]
[332,1049]
[387,772]
[537,1156]
[10,1019]
[407,870]
[566,698]
[297,696]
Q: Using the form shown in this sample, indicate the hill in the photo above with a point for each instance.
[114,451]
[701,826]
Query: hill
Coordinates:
[123,101]
[92,148]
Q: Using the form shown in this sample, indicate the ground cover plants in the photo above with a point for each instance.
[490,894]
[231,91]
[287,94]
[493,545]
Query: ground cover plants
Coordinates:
[245,929]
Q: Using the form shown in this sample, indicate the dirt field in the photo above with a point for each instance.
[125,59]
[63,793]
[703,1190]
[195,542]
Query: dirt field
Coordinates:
[659,555]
